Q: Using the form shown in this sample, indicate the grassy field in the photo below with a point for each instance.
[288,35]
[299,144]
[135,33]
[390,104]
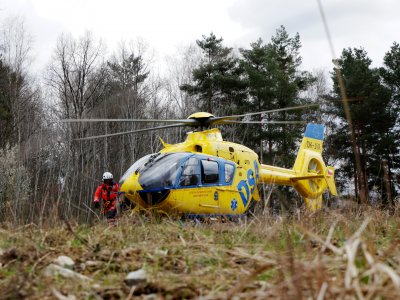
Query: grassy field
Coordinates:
[326,255]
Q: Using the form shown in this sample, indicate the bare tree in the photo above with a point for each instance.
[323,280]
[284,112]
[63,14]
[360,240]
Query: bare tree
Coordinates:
[77,74]
[22,94]
[179,72]
[128,71]
[77,78]
[16,45]
[319,88]
[21,118]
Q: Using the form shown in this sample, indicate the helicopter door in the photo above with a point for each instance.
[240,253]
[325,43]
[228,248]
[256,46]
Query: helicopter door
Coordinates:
[210,180]
[188,193]
[190,176]
[197,189]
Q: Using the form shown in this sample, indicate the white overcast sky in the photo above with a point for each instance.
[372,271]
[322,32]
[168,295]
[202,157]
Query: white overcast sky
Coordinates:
[168,24]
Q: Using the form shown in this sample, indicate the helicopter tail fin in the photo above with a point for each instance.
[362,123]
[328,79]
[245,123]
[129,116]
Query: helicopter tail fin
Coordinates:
[312,175]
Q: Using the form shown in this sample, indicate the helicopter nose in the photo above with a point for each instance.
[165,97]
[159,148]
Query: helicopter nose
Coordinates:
[131,185]
[143,197]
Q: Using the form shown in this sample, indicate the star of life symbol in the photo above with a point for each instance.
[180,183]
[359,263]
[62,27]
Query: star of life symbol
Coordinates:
[234,204]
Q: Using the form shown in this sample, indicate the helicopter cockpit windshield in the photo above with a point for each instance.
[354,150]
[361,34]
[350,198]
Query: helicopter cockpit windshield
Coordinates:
[137,165]
[162,171]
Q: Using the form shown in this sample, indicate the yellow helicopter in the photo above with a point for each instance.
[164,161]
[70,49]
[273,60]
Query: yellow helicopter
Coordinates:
[205,175]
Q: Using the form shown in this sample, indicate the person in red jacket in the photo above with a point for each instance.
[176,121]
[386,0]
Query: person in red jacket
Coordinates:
[108,191]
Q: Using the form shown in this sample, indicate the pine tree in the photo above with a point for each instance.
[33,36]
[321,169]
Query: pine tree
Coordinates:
[391,75]
[217,81]
[276,81]
[8,84]
[372,120]
[391,72]
[128,73]
[259,65]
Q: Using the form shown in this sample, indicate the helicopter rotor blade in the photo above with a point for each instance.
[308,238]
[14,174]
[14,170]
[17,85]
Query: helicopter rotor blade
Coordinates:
[264,122]
[193,122]
[184,121]
[129,132]
[218,119]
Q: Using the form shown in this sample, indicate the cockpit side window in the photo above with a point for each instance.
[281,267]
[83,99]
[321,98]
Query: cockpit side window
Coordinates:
[191,173]
[209,171]
[229,171]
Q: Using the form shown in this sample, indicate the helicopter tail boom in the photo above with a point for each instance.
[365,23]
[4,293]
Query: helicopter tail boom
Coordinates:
[309,176]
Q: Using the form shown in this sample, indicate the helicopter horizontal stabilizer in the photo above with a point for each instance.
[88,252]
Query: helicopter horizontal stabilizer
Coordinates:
[297,178]
[330,180]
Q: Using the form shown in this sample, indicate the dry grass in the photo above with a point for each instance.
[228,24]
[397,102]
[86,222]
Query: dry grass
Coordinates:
[327,255]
